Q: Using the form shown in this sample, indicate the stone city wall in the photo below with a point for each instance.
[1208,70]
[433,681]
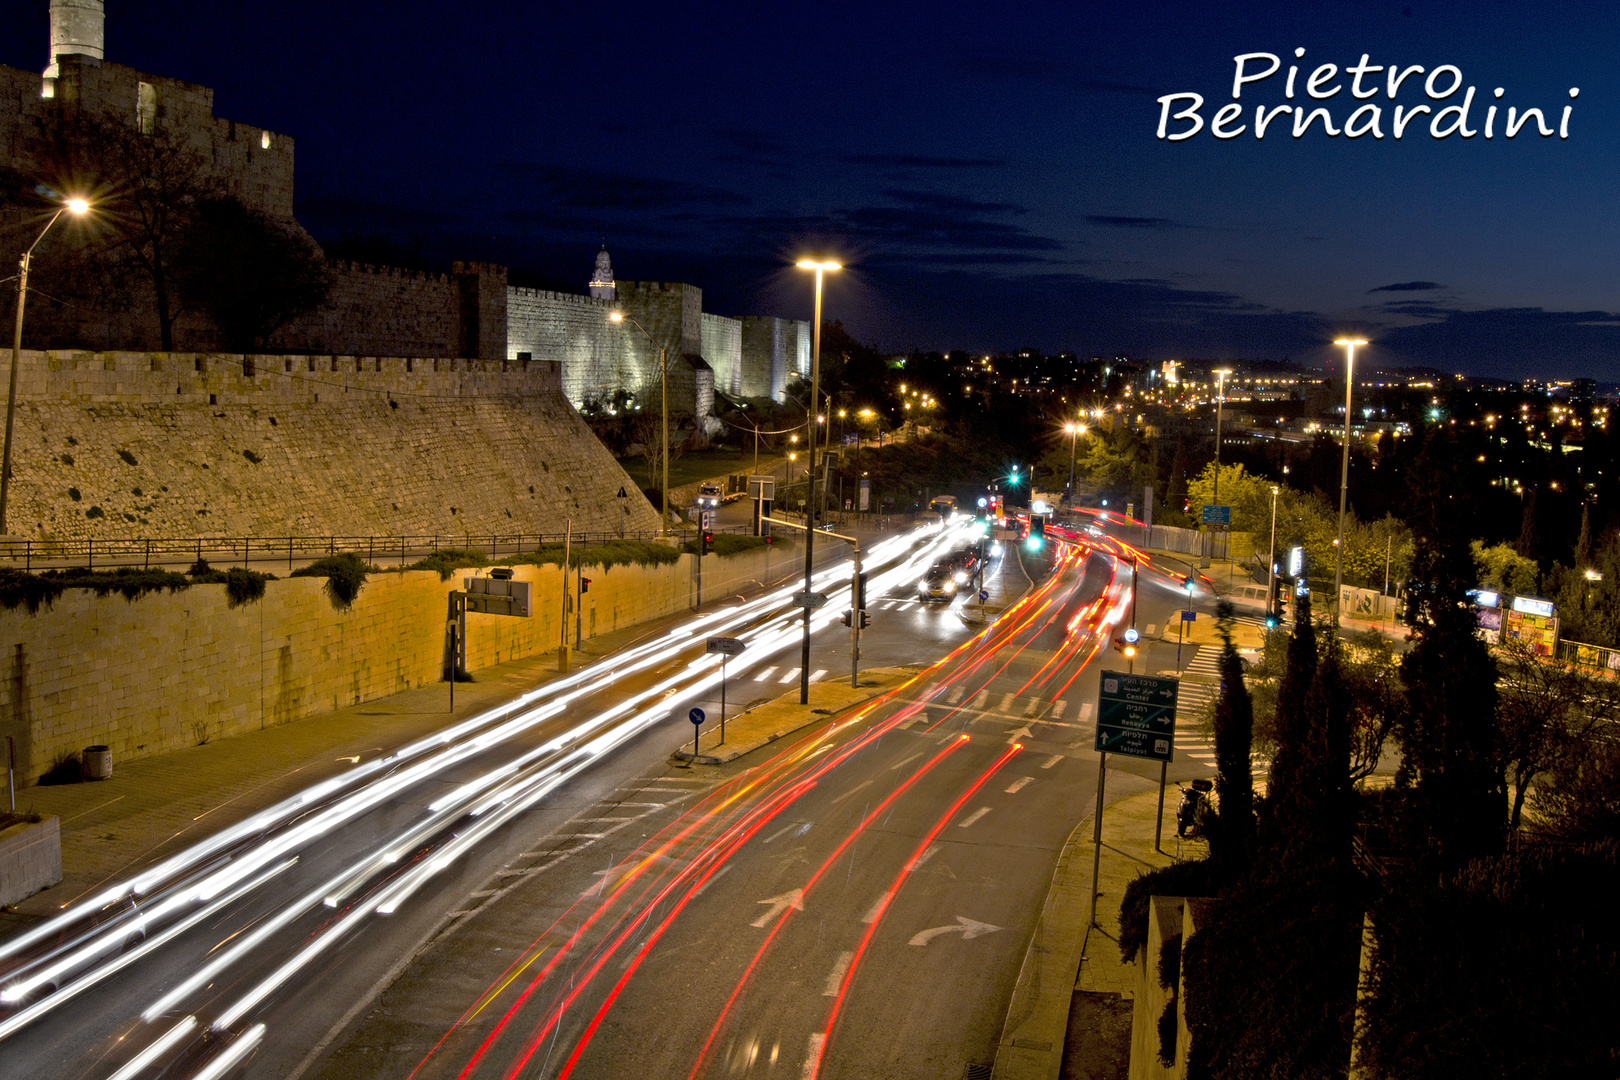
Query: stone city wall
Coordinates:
[722,348]
[171,670]
[172,445]
[772,347]
[387,311]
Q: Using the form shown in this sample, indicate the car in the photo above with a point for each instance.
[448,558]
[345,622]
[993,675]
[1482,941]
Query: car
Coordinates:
[938,584]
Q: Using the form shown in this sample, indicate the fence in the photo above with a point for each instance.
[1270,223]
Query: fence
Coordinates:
[1595,659]
[147,552]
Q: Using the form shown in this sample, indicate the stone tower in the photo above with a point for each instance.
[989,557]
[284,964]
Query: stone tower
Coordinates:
[77,28]
[602,287]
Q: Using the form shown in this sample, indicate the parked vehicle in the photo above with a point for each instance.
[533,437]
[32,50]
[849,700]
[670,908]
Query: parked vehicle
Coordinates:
[1194,808]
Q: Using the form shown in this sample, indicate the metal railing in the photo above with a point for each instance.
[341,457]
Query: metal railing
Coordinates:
[226,551]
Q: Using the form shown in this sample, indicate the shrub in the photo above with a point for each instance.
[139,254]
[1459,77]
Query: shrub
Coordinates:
[95,512]
[728,544]
[251,456]
[1195,878]
[606,555]
[345,575]
[67,459]
[200,567]
[67,770]
[447,561]
[73,493]
[129,458]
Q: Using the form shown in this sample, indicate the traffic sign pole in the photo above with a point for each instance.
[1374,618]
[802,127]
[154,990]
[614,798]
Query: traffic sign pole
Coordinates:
[723,659]
[1096,838]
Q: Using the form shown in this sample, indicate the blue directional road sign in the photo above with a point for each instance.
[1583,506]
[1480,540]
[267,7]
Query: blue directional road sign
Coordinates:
[1215,515]
[1136,715]
[696,716]
[984,594]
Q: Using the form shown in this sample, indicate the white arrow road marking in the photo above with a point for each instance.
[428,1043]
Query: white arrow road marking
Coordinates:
[779,904]
[970,929]
[1021,733]
[836,976]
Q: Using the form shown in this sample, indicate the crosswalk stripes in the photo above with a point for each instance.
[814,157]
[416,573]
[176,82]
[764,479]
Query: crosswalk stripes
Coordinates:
[956,695]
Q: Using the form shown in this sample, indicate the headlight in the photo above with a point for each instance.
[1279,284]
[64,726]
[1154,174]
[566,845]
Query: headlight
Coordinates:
[961,577]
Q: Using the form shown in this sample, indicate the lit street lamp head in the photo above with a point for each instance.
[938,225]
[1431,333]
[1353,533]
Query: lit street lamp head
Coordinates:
[78,206]
[616,316]
[815,264]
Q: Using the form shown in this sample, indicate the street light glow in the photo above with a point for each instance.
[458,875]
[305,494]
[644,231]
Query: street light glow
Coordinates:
[813,264]
[77,206]
[615,316]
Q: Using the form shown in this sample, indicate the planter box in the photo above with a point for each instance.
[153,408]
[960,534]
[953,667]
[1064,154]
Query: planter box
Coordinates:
[30,859]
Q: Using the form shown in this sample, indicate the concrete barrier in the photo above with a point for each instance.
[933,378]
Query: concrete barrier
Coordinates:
[30,859]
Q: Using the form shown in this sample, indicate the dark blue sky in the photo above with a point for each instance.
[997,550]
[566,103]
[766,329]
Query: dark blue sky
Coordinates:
[990,172]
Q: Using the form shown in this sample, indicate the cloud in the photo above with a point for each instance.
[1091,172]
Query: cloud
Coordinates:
[1408,286]
[1511,342]
[591,189]
[914,161]
[1122,222]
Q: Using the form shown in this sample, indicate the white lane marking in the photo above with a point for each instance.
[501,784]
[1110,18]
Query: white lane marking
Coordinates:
[789,677]
[835,978]
[1152,628]
[1006,701]
[851,791]
[1085,711]
[1057,709]
[905,761]
[1034,707]
[812,1056]
[818,673]
[928,853]
[1019,784]
[1051,761]
[718,874]
[878,905]
[981,698]
[971,818]
[956,695]
[779,832]
[767,673]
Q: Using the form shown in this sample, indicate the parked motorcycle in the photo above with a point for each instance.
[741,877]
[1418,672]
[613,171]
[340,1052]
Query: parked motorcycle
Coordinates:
[1193,808]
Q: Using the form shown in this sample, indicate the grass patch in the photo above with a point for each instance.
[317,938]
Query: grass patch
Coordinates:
[8,819]
[448,560]
[345,576]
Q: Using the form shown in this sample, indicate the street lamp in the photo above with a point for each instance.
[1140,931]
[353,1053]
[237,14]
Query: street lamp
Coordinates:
[821,268]
[1215,496]
[663,404]
[1271,560]
[78,208]
[1344,466]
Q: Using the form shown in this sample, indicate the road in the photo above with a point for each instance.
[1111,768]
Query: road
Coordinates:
[252,950]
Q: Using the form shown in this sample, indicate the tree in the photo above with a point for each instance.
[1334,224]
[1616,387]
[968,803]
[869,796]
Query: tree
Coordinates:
[1232,840]
[146,188]
[252,274]
[1284,799]
[1545,711]
[1503,567]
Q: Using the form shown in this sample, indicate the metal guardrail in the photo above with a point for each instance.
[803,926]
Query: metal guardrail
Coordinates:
[225,551]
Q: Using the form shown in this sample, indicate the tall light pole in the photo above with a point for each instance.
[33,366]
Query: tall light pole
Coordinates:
[76,207]
[1344,466]
[821,267]
[1074,431]
[1215,496]
[1271,560]
[663,426]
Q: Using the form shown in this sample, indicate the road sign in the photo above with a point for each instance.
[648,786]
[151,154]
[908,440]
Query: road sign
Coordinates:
[622,493]
[707,520]
[1132,635]
[696,716]
[494,596]
[810,600]
[1136,715]
[1215,515]
[730,646]
[1189,616]
[984,594]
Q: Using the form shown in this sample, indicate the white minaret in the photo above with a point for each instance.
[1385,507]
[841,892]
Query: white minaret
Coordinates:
[76,27]
[602,287]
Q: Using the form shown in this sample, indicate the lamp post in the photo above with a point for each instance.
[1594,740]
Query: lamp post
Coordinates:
[1073,431]
[76,207]
[663,426]
[1344,467]
[821,267]
[1271,560]
[1215,496]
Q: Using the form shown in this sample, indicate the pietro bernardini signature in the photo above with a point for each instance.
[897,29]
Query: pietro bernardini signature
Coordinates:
[1181,116]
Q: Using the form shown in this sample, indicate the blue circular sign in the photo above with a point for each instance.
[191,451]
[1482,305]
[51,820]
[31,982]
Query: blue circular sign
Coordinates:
[696,716]
[1131,635]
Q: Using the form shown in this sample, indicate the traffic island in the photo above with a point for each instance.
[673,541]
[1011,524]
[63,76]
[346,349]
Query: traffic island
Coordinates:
[764,724]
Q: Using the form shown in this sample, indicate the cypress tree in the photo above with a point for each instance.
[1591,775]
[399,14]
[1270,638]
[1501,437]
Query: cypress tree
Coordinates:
[1232,841]
[1282,809]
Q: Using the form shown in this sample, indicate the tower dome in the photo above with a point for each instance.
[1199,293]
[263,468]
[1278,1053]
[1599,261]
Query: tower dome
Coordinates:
[602,287]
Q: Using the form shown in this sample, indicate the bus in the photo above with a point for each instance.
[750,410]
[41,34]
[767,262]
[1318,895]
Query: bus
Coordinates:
[943,505]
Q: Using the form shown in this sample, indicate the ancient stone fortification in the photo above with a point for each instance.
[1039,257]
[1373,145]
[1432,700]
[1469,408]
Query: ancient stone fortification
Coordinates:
[156,444]
[168,671]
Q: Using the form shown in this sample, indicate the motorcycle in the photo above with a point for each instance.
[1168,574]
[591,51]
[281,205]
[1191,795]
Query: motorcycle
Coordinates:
[1194,806]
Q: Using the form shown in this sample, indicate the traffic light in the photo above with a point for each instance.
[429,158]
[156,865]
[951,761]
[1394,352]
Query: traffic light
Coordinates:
[860,593]
[849,617]
[1188,583]
[706,544]
[1285,595]
[584,585]
[1126,648]
[866,619]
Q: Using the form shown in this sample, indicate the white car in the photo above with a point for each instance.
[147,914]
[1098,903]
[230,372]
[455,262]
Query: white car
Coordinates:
[709,496]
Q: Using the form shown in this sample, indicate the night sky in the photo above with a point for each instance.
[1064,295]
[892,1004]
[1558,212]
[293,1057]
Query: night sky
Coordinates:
[991,173]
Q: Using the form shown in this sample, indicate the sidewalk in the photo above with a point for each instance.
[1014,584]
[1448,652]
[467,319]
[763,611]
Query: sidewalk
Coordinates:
[1063,957]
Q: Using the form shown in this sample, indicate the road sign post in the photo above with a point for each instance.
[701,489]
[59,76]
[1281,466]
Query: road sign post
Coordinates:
[1136,716]
[727,647]
[696,716]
